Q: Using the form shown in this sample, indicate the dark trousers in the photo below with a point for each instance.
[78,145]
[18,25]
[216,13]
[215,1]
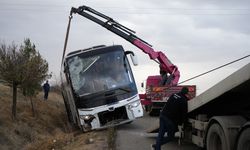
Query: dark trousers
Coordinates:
[46,94]
[166,125]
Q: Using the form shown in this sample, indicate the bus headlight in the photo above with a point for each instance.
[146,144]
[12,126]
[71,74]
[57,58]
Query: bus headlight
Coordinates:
[87,121]
[87,118]
[134,104]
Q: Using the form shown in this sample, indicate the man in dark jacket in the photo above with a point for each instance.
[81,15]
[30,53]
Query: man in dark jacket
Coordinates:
[46,88]
[174,113]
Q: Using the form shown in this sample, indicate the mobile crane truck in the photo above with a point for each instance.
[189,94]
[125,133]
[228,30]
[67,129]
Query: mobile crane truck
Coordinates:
[92,107]
[156,94]
[158,87]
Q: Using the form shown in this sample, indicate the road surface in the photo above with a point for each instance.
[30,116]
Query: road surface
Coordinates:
[133,137]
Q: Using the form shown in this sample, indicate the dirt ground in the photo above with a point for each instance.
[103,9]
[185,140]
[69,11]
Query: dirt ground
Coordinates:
[46,129]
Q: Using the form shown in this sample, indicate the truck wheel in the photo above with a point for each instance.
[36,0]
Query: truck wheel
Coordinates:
[244,140]
[216,139]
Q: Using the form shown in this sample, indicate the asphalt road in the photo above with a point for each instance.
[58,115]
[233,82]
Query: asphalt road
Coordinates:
[134,137]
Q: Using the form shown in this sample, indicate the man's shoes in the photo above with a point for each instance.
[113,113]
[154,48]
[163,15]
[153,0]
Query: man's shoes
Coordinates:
[152,146]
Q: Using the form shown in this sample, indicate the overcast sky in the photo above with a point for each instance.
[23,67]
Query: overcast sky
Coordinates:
[196,35]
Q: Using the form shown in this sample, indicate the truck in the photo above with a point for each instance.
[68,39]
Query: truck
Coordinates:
[219,118]
[115,104]
[156,95]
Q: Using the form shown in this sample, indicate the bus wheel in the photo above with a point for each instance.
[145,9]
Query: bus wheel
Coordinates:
[244,140]
[216,139]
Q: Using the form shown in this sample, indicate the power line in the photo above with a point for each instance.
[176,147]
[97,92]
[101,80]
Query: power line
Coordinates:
[135,13]
[10,7]
[214,69]
[118,7]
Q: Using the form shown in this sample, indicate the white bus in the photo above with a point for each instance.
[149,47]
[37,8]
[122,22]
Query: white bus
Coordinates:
[98,87]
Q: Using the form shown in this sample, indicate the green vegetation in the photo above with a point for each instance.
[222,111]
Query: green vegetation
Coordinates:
[23,68]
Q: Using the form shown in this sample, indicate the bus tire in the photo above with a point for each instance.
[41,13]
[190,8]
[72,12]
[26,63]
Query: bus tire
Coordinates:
[216,139]
[244,140]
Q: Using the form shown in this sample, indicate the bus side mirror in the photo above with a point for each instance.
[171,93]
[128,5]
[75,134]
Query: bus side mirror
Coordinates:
[133,57]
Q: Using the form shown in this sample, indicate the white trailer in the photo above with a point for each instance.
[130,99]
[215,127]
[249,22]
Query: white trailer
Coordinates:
[219,118]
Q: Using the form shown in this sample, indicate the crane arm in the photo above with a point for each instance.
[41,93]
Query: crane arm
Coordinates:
[129,35]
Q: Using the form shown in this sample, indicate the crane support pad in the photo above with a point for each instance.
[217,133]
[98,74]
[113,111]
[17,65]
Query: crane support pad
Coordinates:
[154,128]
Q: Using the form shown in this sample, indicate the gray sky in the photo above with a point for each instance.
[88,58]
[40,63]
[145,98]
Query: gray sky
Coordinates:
[196,35]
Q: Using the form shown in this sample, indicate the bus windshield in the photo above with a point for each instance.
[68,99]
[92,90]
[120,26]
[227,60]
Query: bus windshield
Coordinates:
[101,72]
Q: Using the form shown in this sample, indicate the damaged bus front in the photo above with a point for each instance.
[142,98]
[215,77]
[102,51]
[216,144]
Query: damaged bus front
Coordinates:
[99,89]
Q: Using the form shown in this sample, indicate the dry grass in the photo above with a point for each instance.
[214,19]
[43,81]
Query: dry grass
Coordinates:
[47,130]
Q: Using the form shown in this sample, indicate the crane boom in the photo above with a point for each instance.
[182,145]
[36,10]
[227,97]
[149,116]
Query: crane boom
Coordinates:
[129,35]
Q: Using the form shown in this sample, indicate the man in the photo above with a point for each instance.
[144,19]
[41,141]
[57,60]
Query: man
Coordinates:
[46,88]
[174,113]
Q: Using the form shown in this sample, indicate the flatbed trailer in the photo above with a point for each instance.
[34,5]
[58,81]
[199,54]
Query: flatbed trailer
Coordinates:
[219,118]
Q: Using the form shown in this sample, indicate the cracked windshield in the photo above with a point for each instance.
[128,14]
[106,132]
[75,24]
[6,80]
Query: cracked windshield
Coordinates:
[97,73]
